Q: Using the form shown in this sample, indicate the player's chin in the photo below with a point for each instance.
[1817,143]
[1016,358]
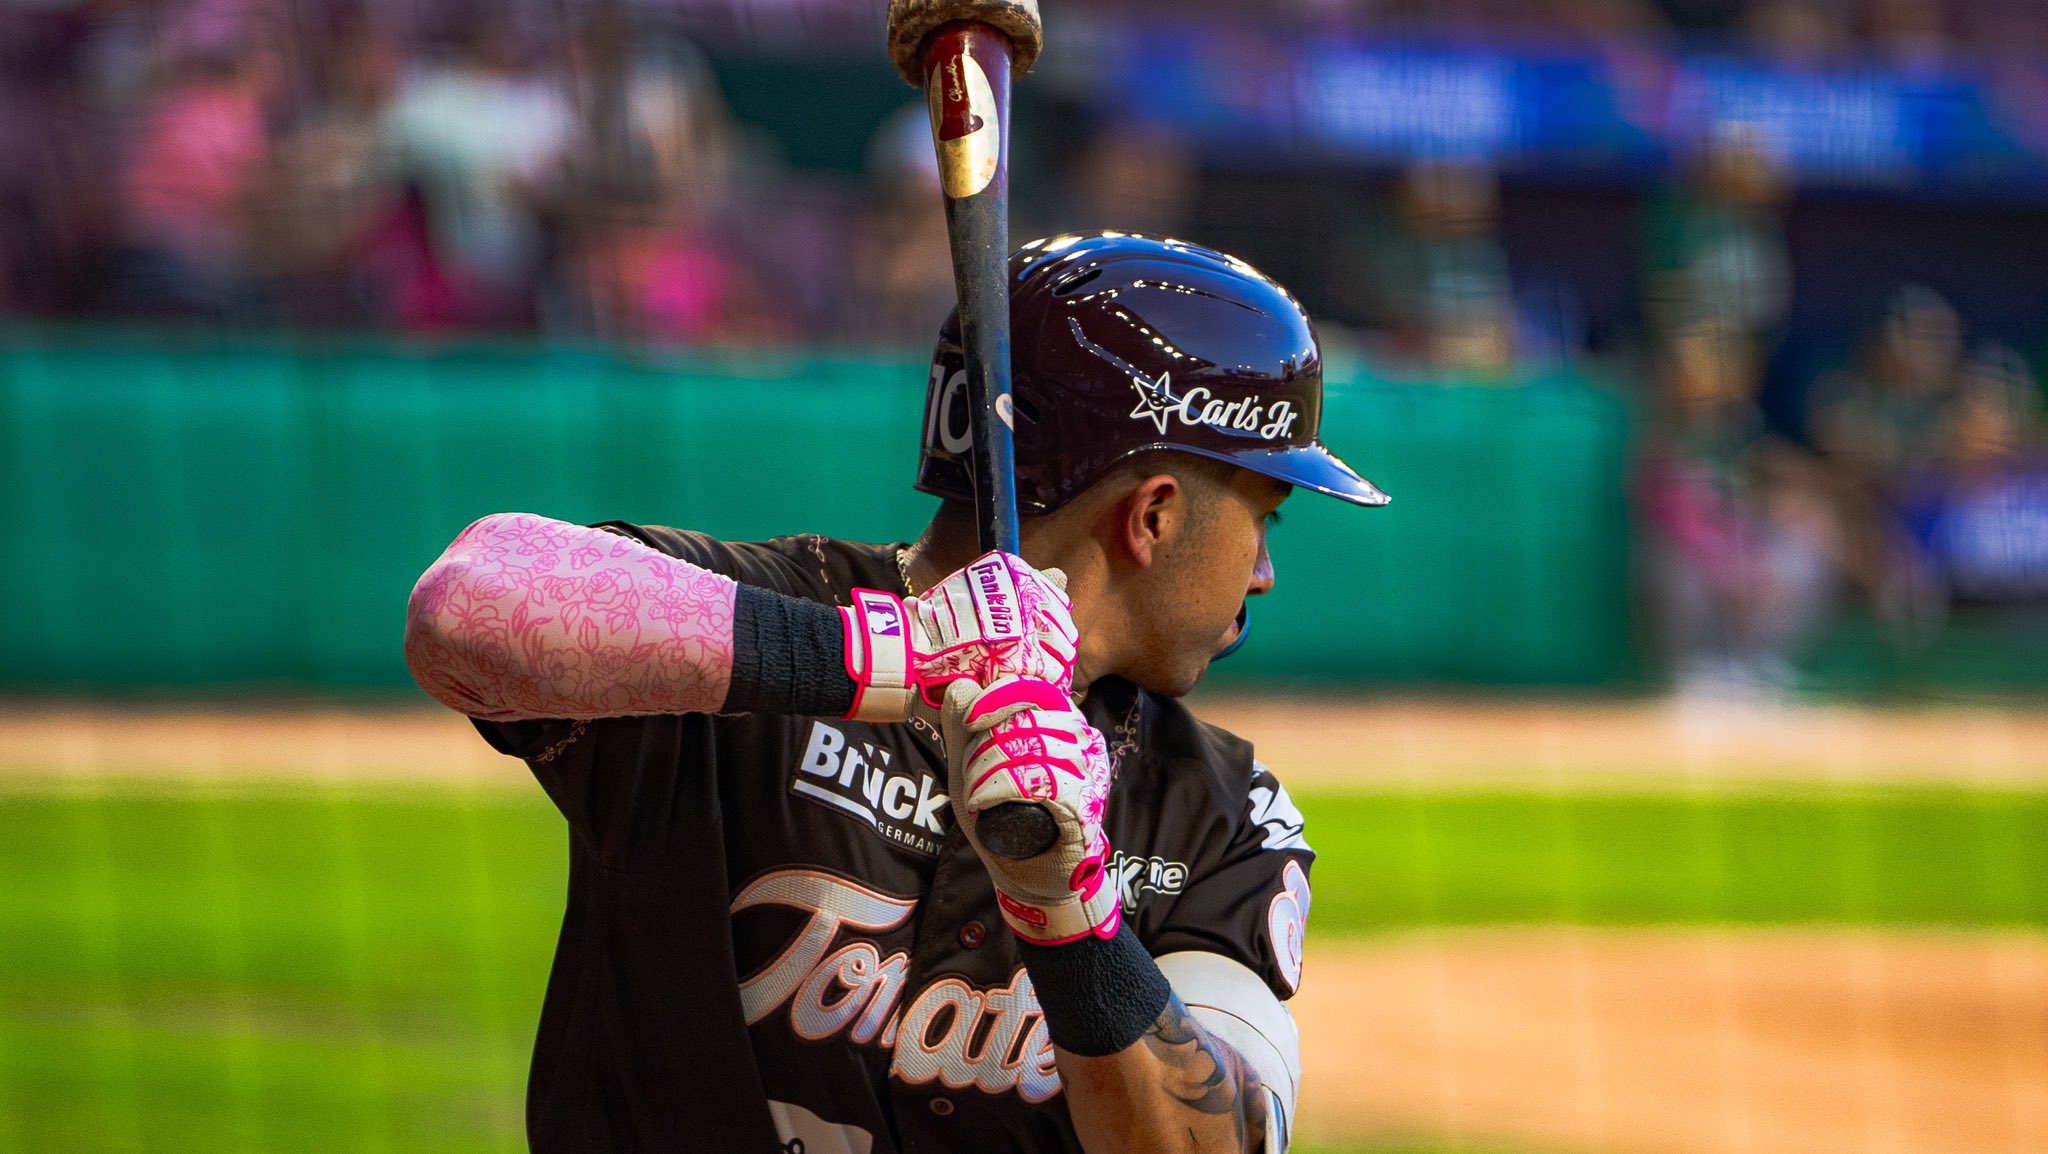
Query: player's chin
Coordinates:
[1179,686]
[1174,669]
[1185,673]
[1230,637]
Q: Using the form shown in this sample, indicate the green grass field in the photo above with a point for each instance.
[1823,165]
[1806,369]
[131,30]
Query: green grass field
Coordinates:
[334,968]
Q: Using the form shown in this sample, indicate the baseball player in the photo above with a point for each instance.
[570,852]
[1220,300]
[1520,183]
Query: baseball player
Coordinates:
[782,931]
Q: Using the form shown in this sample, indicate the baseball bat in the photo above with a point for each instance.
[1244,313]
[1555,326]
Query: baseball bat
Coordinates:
[962,53]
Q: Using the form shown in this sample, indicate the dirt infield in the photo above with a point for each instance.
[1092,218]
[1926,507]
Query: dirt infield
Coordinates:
[316,742]
[1682,1042]
[1575,744]
[1565,745]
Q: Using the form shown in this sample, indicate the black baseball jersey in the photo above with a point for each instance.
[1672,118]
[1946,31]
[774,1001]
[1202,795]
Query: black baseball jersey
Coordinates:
[776,939]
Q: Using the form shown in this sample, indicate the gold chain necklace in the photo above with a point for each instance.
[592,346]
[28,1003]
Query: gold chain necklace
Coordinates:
[903,570]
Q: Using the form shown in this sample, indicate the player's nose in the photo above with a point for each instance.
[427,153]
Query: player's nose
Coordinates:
[1262,573]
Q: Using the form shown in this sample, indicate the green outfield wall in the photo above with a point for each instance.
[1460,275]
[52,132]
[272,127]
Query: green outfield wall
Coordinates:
[195,512]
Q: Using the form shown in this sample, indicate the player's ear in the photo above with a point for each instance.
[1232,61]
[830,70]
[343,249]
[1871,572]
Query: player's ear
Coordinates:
[1150,516]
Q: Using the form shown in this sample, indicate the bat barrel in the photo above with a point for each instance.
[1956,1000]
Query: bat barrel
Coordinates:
[967,70]
[967,85]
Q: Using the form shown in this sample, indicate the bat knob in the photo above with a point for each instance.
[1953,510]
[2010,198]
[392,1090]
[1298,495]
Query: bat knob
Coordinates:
[911,23]
[1017,830]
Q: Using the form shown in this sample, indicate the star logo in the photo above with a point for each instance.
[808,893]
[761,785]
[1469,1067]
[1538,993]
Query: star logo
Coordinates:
[1155,399]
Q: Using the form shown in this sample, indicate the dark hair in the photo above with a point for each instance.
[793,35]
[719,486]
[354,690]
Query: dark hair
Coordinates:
[1201,476]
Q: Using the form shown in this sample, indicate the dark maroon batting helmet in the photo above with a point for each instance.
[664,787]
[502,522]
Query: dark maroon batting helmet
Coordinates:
[1124,343]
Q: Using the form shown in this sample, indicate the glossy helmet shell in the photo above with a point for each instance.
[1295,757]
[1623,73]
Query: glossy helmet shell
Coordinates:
[1121,344]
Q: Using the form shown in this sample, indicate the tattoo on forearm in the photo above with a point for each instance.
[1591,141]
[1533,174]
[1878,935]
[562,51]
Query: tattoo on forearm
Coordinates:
[1207,1075]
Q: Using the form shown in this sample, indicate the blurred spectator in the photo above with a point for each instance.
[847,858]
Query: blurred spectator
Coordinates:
[1975,520]
[1883,416]
[1741,541]
[327,201]
[1606,20]
[1444,275]
[190,178]
[53,204]
[652,181]
[902,270]
[1744,543]
[1800,30]
[1132,180]
[1881,420]
[1507,17]
[483,139]
[1913,35]
[2006,31]
[1717,257]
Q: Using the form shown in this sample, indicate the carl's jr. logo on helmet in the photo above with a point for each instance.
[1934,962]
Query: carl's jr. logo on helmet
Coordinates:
[1269,420]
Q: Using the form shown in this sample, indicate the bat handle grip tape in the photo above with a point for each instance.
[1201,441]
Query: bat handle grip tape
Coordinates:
[1017,830]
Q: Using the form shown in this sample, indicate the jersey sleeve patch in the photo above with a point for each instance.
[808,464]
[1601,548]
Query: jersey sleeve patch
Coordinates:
[1275,812]
[1287,921]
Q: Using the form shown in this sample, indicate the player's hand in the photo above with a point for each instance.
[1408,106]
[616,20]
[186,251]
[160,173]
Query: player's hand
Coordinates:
[1021,739]
[998,617]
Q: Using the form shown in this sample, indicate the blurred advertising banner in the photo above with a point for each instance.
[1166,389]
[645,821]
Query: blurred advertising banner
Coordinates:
[1614,110]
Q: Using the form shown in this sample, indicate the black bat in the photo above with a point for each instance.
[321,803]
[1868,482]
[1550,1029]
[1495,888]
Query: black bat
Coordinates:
[962,52]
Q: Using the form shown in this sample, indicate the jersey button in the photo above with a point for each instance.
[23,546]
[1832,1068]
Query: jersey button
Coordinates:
[942,1106]
[971,935]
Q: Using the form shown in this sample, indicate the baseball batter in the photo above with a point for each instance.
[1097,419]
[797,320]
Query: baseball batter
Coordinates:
[782,932]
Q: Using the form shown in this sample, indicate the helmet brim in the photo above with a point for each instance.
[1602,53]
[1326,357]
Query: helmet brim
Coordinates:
[1307,466]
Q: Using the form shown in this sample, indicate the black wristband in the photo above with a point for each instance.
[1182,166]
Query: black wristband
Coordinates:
[788,656]
[1098,996]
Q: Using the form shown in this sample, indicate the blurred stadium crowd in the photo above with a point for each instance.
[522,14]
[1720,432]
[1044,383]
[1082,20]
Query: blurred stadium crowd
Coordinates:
[579,172]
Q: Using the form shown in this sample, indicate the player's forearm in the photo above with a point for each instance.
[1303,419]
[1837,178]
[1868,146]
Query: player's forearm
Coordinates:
[1177,1088]
[1141,1074]
[526,617]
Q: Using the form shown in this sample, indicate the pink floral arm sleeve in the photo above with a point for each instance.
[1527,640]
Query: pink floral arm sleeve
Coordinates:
[524,617]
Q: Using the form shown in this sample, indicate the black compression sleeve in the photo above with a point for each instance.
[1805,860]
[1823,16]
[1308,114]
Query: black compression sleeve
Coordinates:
[1098,996]
[788,656]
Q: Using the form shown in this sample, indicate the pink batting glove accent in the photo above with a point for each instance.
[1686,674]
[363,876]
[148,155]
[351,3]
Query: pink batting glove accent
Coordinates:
[996,617]
[1014,695]
[1023,740]
[880,654]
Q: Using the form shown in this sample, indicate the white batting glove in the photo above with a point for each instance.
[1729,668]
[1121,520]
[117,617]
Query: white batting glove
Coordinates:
[998,617]
[1021,739]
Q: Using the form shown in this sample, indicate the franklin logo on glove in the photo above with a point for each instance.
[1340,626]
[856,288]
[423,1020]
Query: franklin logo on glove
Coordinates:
[997,617]
[998,596]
